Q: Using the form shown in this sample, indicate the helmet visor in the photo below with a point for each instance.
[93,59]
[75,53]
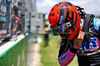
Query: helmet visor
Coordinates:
[62,29]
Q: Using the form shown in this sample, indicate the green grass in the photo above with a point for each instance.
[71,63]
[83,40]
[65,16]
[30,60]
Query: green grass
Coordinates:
[49,54]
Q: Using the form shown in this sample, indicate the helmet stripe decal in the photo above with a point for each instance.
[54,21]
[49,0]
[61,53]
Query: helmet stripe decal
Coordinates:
[61,20]
[72,15]
[75,22]
[61,15]
[66,18]
[69,4]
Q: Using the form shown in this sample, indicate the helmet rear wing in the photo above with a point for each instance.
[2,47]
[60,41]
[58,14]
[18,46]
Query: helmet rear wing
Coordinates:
[81,11]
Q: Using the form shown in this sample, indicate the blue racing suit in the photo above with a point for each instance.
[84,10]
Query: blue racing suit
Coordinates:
[89,52]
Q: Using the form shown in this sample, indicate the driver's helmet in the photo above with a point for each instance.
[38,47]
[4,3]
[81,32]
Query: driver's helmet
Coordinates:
[65,20]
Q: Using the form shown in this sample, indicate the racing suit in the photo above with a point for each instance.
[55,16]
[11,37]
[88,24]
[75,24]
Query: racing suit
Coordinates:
[89,52]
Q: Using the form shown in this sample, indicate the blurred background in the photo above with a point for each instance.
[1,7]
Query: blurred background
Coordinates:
[90,6]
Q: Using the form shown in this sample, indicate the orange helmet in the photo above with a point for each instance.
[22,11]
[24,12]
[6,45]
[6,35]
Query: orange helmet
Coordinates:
[65,20]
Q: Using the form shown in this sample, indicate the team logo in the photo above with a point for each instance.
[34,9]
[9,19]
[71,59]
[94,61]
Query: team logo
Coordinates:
[97,24]
[63,58]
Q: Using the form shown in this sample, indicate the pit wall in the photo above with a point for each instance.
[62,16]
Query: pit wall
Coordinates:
[15,55]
